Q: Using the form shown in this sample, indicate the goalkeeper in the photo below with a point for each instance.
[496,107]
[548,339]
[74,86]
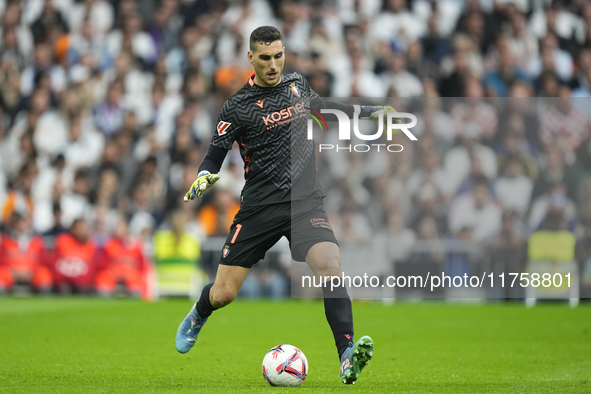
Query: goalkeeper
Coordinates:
[282,196]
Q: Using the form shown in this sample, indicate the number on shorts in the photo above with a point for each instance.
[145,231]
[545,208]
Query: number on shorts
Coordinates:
[238,227]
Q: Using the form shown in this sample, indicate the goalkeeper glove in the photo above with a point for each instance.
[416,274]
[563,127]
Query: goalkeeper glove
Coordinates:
[374,113]
[204,181]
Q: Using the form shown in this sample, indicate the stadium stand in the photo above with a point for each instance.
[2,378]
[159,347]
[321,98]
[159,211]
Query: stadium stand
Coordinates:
[107,107]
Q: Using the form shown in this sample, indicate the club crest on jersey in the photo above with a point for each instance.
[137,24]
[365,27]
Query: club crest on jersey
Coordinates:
[295,89]
[222,127]
[226,251]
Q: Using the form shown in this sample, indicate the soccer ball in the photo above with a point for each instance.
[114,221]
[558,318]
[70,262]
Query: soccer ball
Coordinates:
[285,365]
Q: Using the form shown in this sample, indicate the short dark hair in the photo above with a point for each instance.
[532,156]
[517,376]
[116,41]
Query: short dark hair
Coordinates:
[264,35]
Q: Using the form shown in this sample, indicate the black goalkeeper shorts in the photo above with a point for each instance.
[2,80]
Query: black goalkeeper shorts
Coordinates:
[256,229]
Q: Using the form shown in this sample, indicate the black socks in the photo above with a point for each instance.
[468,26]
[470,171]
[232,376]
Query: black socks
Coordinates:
[204,307]
[337,307]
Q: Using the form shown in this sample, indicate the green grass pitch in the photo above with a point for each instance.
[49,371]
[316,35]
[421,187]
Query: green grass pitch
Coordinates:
[82,345]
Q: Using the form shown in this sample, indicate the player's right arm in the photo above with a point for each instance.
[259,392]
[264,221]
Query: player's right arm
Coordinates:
[227,130]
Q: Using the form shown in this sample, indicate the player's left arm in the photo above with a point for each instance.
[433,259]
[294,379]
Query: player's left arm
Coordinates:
[369,112]
[366,112]
[227,130]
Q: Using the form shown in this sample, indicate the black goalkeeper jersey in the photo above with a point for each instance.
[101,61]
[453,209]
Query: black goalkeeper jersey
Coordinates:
[269,125]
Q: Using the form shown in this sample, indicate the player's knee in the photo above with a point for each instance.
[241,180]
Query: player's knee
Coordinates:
[223,297]
[331,265]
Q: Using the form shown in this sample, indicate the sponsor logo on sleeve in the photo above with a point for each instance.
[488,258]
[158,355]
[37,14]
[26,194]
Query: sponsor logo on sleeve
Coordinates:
[222,127]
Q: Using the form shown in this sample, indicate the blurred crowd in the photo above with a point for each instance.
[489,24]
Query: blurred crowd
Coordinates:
[107,108]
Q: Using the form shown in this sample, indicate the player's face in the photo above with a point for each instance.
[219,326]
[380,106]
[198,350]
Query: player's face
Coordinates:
[268,63]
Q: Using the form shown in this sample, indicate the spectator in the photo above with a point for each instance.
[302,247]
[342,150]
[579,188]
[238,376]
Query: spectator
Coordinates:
[216,217]
[551,58]
[19,199]
[474,17]
[111,103]
[124,264]
[84,145]
[57,228]
[475,110]
[50,17]
[542,243]
[583,154]
[22,258]
[167,107]
[584,65]
[75,203]
[508,249]
[107,193]
[564,125]
[457,161]
[12,52]
[556,201]
[176,242]
[43,64]
[463,63]
[435,46]
[396,22]
[109,115]
[430,173]
[360,81]
[567,27]
[522,42]
[515,147]
[433,124]
[427,231]
[519,118]
[476,171]
[177,253]
[97,13]
[583,90]
[473,25]
[351,227]
[397,240]
[429,203]
[547,84]
[477,211]
[131,36]
[403,82]
[153,180]
[446,14]
[75,260]
[513,189]
[499,80]
[17,151]
[14,22]
[554,169]
[2,190]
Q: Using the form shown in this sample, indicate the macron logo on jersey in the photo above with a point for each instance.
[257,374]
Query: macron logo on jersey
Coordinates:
[222,127]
